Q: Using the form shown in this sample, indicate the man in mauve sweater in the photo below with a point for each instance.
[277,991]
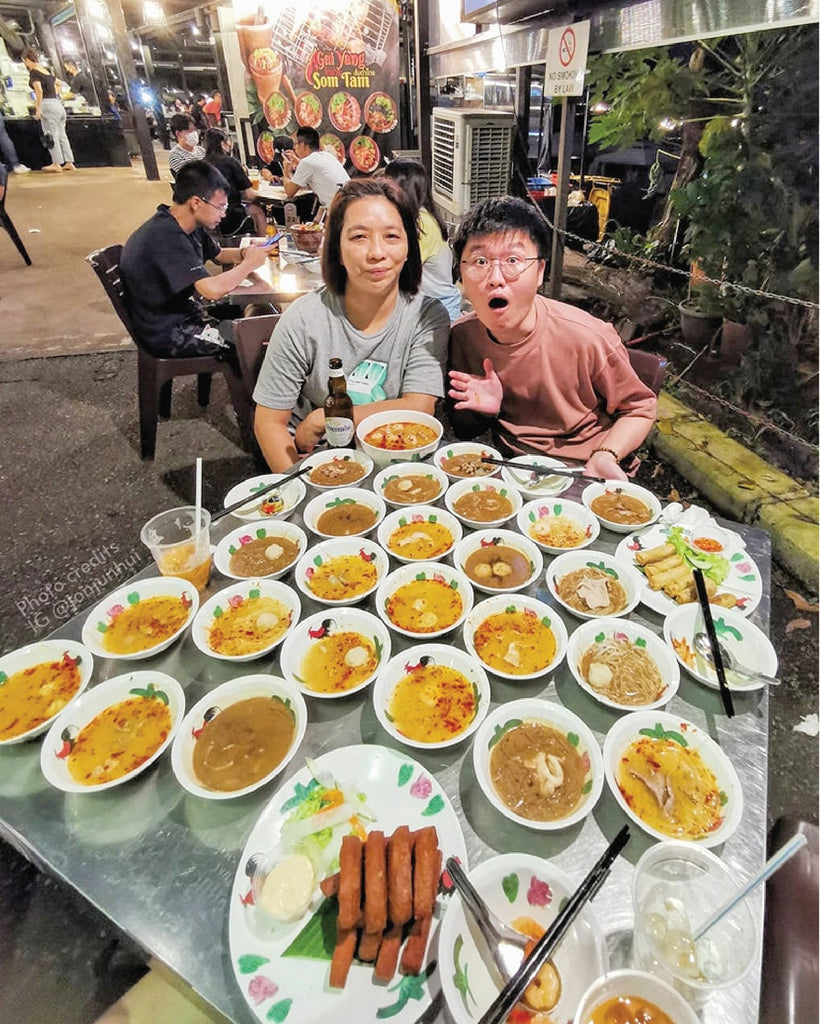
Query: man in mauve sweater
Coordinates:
[547,377]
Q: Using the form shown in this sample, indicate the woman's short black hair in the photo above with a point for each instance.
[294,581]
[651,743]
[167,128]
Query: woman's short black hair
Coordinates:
[333,272]
[198,178]
[214,137]
[499,216]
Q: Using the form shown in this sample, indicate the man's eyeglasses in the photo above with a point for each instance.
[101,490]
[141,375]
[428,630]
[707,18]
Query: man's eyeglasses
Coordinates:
[512,267]
[222,207]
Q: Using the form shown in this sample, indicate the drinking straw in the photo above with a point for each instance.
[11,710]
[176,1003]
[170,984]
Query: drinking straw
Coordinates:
[774,863]
[198,500]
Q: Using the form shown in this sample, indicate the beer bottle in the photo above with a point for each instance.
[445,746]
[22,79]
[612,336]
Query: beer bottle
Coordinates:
[340,430]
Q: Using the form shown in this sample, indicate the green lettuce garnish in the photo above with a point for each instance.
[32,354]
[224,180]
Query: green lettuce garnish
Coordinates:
[716,567]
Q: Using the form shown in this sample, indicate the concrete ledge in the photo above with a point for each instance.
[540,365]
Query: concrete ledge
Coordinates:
[742,485]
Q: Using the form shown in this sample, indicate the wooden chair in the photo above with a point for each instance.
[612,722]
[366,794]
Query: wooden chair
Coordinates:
[155,374]
[251,336]
[649,367]
[6,221]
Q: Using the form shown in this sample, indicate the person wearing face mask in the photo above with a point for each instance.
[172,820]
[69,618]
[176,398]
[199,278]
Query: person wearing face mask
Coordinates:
[242,213]
[544,376]
[187,146]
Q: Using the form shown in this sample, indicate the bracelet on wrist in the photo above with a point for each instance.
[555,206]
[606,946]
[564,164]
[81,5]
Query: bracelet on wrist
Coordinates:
[611,451]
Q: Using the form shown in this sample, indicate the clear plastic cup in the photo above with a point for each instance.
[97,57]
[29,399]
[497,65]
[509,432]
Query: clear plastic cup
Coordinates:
[676,887]
[180,544]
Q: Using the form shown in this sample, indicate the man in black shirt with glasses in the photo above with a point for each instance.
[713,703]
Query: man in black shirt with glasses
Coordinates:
[164,275]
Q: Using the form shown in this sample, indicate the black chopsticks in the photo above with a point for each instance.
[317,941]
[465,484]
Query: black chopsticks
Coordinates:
[250,499]
[523,467]
[717,658]
[517,985]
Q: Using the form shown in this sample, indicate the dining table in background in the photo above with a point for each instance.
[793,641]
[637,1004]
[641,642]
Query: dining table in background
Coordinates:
[273,198]
[279,281]
[161,863]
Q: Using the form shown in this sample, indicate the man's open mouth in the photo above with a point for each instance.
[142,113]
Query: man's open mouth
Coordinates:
[498,303]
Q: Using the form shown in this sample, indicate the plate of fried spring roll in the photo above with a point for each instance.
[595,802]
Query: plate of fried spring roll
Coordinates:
[665,558]
[363,946]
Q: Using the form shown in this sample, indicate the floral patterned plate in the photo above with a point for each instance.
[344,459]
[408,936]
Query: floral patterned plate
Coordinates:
[277,981]
[517,885]
[743,580]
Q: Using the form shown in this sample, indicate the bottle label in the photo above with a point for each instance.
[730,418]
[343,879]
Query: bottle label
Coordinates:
[338,431]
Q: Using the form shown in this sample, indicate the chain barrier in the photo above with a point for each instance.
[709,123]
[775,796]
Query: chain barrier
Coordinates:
[608,249]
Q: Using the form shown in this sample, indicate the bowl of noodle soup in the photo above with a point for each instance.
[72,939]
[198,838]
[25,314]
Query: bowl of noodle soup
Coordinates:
[672,779]
[516,637]
[623,665]
[246,620]
[592,584]
[538,764]
[557,526]
[342,571]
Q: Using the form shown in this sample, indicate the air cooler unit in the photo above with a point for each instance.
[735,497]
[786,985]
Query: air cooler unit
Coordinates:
[472,152]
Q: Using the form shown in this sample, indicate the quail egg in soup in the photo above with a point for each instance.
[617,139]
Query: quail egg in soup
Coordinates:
[342,578]
[515,641]
[338,661]
[425,606]
[412,489]
[483,505]
[263,556]
[248,625]
[498,566]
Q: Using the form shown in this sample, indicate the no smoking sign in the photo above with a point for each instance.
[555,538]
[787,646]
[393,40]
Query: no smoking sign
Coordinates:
[566,59]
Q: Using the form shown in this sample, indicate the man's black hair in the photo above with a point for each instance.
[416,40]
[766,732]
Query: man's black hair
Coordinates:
[497,216]
[198,178]
[180,123]
[309,136]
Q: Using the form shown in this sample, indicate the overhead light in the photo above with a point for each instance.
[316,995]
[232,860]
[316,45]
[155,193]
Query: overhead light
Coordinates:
[667,124]
[194,30]
[152,11]
[600,108]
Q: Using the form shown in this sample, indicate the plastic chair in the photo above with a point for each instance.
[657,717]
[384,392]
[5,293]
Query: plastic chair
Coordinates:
[155,374]
[650,368]
[6,221]
[251,336]
[790,948]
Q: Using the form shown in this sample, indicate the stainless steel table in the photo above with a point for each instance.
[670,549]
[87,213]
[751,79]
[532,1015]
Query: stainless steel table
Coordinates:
[159,863]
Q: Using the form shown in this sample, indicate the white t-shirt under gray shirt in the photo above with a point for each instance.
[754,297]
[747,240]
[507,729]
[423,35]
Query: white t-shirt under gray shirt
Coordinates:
[407,355]
[322,173]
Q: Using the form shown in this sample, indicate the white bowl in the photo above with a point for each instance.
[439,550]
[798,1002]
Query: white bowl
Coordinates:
[662,725]
[400,469]
[101,617]
[595,631]
[292,492]
[338,455]
[232,692]
[548,509]
[462,487]
[418,514]
[39,653]
[494,538]
[313,629]
[64,729]
[620,571]
[320,553]
[441,654]
[447,451]
[424,571]
[541,712]
[748,645]
[381,456]
[230,544]
[635,983]
[237,593]
[519,602]
[533,485]
[322,502]
[593,491]
[516,885]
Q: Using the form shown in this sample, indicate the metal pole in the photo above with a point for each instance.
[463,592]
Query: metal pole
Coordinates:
[562,191]
[129,70]
[424,108]
[521,143]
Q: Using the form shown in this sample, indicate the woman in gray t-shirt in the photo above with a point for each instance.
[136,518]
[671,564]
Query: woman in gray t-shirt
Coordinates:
[392,341]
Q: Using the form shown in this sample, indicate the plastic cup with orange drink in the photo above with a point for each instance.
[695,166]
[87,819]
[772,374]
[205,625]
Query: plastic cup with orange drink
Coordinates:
[180,544]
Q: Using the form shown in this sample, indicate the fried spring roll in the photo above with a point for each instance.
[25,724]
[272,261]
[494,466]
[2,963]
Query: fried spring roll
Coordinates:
[400,875]
[369,945]
[426,870]
[724,600]
[654,554]
[375,885]
[412,959]
[664,564]
[350,882]
[711,587]
[342,957]
[660,580]
[388,957]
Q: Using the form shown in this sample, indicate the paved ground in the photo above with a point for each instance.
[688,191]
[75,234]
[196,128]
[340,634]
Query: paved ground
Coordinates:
[79,493]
